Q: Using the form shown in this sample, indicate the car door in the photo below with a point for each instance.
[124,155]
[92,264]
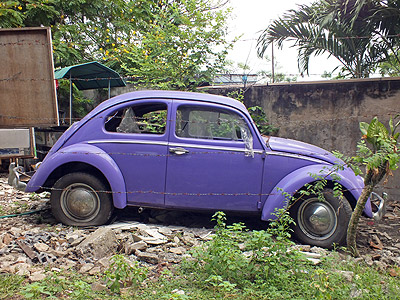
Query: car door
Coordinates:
[136,137]
[213,162]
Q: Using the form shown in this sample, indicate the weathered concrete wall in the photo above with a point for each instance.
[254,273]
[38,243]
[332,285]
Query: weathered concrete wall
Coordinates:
[327,114]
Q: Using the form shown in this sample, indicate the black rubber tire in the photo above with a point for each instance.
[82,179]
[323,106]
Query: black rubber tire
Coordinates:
[67,205]
[339,211]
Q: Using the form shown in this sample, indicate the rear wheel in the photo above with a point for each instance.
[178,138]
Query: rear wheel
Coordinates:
[80,199]
[321,223]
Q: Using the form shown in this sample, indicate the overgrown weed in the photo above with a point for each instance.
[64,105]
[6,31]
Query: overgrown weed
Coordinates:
[236,264]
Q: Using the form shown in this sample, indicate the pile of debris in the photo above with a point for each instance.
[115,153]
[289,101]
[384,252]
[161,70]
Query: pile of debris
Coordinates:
[31,244]
[27,249]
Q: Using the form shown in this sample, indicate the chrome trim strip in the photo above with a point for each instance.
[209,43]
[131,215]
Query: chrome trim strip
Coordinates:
[232,149]
[129,142]
[298,156]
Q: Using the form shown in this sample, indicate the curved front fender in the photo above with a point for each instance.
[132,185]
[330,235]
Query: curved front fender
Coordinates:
[90,155]
[294,181]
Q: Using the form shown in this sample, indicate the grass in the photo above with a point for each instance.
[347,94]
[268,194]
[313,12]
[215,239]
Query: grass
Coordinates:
[235,264]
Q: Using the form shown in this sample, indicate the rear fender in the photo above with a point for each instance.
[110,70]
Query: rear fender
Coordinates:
[90,155]
[288,186]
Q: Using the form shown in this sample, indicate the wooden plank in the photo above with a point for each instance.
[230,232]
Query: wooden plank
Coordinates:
[28,250]
[27,84]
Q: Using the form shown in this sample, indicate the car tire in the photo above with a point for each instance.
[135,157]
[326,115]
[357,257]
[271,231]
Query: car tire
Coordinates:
[321,223]
[80,199]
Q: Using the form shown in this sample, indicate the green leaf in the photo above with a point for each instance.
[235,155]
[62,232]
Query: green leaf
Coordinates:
[364,128]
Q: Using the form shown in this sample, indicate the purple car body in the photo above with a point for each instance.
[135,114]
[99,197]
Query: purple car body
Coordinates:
[207,154]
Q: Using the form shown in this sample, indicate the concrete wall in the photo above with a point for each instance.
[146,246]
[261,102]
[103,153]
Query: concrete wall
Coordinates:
[327,113]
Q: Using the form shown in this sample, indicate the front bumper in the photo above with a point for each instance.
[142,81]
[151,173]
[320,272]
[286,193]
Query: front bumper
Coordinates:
[378,204]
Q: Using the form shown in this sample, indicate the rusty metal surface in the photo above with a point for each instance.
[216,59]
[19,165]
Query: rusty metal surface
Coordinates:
[27,85]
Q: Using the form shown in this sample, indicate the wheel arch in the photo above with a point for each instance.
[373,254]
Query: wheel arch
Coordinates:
[75,166]
[294,182]
[81,158]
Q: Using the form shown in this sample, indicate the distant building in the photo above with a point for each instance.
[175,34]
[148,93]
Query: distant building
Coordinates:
[225,79]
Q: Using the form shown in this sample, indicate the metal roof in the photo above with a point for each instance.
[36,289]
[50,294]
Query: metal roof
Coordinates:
[91,75]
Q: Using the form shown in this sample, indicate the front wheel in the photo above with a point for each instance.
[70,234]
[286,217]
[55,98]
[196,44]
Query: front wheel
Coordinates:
[80,199]
[321,223]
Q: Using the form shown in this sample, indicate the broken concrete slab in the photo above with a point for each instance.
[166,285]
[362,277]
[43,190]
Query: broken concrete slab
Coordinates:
[100,243]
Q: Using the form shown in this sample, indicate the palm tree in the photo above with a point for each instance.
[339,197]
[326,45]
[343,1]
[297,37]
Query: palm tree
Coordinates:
[361,34]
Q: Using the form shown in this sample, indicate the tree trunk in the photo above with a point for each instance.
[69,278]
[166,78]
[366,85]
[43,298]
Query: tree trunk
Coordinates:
[355,217]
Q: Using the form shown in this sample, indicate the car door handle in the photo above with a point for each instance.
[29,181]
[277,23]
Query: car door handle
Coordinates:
[178,150]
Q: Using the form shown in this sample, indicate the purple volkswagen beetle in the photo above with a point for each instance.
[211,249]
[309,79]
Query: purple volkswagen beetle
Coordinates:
[181,150]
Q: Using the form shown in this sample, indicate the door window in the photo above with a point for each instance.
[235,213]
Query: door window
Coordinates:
[206,123]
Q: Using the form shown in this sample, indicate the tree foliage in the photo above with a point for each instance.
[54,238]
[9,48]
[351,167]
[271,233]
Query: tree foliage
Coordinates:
[361,34]
[168,43]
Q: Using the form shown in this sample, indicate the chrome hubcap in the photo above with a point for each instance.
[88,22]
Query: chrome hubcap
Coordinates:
[80,202]
[317,219]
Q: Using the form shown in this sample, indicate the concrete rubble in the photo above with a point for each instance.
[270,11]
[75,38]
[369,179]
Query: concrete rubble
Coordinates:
[31,245]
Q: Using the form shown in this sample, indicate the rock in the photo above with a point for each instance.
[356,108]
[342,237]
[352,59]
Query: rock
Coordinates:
[170,257]
[355,293]
[21,259]
[242,246]
[154,241]
[98,287]
[368,260]
[86,268]
[56,269]
[305,248]
[101,243]
[104,262]
[57,253]
[131,248]
[15,231]
[176,239]
[37,276]
[7,239]
[348,275]
[155,234]
[311,254]
[319,250]
[67,264]
[165,230]
[189,239]
[95,270]
[380,265]
[207,236]
[315,261]
[41,247]
[21,269]
[248,254]
[77,241]
[177,250]
[178,292]
[147,257]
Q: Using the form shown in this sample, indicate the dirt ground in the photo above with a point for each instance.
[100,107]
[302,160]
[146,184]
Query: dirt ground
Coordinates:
[373,237]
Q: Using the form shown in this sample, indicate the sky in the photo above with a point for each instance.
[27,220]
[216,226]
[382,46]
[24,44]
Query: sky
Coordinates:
[250,18]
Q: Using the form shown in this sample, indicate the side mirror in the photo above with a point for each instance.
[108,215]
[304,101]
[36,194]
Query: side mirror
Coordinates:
[248,141]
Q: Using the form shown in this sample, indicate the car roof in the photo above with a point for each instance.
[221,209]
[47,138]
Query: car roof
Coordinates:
[163,94]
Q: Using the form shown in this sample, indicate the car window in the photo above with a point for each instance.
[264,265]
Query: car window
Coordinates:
[142,118]
[205,123]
